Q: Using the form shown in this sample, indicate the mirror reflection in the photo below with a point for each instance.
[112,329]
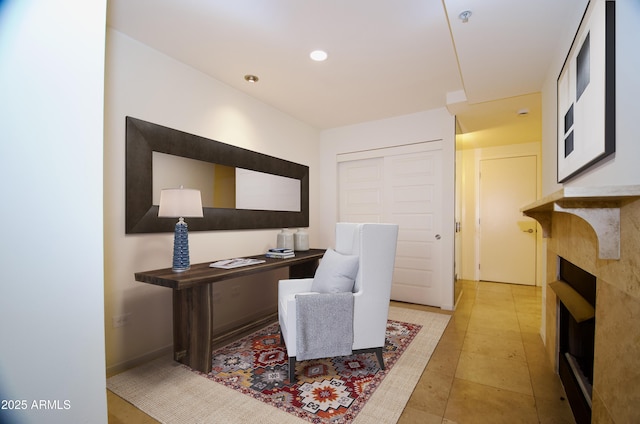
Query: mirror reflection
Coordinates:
[225,186]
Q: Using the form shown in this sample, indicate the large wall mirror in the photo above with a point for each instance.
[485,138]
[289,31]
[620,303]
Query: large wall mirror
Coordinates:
[241,189]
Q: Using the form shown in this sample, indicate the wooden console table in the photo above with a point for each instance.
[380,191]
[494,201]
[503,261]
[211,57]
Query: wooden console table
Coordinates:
[193,300]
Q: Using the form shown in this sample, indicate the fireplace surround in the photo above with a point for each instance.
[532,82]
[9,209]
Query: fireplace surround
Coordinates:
[616,363]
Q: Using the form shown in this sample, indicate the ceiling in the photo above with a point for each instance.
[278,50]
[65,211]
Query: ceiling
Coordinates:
[386,57]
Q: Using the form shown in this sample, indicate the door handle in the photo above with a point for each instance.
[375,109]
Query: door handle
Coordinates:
[530,230]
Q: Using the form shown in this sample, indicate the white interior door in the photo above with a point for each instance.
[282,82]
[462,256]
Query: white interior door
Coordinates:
[507,238]
[401,185]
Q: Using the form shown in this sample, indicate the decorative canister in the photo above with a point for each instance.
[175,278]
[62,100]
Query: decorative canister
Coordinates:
[301,240]
[285,239]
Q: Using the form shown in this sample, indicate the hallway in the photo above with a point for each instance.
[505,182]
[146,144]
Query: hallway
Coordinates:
[490,365]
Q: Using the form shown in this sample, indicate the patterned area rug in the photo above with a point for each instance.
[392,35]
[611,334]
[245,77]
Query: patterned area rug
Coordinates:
[332,390]
[174,394]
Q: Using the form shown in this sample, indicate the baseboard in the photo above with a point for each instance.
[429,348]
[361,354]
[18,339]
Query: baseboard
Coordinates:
[241,331]
[455,305]
[132,363]
[448,307]
[223,328]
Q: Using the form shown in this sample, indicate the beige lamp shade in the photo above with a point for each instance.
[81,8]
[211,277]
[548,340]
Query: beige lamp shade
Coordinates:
[180,203]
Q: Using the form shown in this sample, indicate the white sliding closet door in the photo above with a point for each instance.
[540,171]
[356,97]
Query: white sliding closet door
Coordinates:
[401,185]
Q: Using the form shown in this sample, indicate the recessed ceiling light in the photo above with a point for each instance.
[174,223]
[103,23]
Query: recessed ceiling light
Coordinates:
[251,78]
[318,55]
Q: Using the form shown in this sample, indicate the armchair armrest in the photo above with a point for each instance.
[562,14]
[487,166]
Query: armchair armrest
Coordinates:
[289,287]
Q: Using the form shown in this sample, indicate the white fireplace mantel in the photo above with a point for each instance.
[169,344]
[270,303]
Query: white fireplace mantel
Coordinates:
[598,206]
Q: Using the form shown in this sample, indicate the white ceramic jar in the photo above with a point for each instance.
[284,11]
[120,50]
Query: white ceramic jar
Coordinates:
[285,239]
[301,240]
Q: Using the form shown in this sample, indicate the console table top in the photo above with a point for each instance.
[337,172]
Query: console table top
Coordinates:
[202,273]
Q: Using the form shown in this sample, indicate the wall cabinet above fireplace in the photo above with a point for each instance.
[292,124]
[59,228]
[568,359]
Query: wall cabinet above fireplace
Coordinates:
[598,206]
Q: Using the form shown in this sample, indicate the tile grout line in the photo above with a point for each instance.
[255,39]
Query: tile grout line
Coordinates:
[466,327]
[526,356]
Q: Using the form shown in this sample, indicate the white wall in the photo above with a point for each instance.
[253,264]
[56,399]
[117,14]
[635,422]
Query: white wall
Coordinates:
[622,167]
[431,125]
[51,296]
[145,84]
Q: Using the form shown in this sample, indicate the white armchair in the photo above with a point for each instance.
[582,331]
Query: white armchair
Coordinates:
[375,247]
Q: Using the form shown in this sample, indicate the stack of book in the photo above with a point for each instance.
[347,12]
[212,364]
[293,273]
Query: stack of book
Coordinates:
[280,253]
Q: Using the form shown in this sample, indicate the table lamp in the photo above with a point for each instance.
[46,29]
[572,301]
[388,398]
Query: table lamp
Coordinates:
[180,203]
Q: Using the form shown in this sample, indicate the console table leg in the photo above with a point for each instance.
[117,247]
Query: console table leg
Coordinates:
[193,326]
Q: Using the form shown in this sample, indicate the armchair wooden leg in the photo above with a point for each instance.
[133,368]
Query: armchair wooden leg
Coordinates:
[292,360]
[379,356]
[377,351]
[292,369]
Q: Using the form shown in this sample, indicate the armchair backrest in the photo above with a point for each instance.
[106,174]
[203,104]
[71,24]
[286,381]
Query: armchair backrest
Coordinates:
[375,244]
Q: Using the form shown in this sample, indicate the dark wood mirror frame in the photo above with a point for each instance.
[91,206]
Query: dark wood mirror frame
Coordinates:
[143,138]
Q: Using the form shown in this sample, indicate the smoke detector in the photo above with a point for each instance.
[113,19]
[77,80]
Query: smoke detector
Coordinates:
[464,16]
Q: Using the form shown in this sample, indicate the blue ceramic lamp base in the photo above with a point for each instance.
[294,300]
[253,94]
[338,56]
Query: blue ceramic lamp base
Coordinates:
[181,247]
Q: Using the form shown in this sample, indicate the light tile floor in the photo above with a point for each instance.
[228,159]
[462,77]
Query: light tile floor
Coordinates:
[489,367]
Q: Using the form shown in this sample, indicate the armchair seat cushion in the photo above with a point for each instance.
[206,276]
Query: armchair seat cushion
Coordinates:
[336,273]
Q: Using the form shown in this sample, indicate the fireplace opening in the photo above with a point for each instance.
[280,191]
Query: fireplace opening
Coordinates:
[576,290]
